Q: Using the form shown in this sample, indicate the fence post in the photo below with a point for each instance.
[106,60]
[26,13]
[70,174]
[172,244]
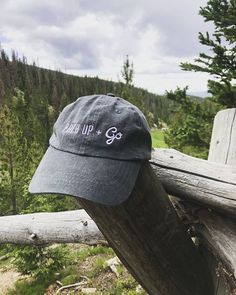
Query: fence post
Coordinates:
[222,150]
[223,140]
[148,237]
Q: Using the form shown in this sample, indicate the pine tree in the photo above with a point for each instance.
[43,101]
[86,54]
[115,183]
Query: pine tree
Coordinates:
[18,160]
[221,63]
[191,125]
[12,155]
[2,92]
[127,92]
[127,72]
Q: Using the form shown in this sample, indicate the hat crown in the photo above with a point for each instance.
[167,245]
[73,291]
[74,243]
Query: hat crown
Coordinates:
[102,126]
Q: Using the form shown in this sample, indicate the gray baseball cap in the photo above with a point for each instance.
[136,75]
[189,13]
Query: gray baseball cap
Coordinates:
[96,150]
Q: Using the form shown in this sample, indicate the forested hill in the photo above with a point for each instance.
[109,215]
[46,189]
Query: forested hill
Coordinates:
[47,90]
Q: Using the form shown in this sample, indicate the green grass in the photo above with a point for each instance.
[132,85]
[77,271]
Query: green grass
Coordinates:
[125,286]
[30,287]
[89,262]
[93,251]
[158,139]
[97,266]
[69,275]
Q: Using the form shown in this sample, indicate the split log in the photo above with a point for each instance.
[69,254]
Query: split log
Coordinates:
[151,241]
[47,228]
[209,184]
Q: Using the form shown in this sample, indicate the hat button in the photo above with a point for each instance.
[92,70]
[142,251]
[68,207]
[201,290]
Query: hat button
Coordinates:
[111,94]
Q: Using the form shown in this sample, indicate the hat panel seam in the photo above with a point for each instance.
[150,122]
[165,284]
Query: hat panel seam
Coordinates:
[94,119]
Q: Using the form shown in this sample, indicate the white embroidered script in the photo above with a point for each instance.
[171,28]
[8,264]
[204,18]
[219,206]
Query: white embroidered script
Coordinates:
[112,134]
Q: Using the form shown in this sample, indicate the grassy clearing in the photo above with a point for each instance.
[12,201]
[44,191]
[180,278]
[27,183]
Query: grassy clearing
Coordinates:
[158,139]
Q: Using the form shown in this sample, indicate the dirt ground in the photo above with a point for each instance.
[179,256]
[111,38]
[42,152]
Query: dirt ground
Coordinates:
[7,280]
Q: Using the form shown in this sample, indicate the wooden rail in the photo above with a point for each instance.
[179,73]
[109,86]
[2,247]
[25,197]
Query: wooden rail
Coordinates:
[47,228]
[210,184]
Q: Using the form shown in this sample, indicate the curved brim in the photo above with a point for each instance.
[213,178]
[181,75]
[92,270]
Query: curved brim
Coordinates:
[102,180]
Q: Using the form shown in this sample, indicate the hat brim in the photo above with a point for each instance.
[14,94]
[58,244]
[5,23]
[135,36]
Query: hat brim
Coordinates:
[102,180]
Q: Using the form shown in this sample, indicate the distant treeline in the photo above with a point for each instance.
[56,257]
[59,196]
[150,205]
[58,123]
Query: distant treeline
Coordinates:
[47,92]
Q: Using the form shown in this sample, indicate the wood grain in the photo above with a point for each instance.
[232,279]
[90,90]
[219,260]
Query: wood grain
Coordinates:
[150,240]
[209,184]
[223,140]
[219,233]
[47,228]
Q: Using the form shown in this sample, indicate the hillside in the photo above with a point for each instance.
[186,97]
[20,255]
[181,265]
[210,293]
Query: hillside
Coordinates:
[49,91]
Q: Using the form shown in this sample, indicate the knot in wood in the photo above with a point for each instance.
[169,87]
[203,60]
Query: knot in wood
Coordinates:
[192,231]
[33,236]
[85,223]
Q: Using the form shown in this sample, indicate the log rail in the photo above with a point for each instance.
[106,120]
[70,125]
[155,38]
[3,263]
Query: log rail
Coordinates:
[78,227]
[210,184]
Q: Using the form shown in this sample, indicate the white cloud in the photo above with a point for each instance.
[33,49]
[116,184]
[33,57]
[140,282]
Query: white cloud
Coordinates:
[93,37]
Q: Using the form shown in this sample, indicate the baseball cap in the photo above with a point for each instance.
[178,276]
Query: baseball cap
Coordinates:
[95,152]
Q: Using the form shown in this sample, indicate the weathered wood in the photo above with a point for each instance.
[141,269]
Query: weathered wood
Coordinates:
[223,285]
[207,183]
[220,234]
[217,232]
[223,140]
[150,240]
[215,236]
[173,159]
[47,228]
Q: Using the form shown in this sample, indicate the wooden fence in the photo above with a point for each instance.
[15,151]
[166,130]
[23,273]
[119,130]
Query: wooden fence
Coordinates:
[181,245]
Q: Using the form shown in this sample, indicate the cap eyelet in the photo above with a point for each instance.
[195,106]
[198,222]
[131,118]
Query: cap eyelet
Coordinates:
[111,94]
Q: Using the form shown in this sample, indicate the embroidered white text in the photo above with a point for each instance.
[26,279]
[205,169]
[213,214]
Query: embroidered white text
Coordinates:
[112,134]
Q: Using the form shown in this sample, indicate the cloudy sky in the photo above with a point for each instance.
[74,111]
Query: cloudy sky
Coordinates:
[93,37]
